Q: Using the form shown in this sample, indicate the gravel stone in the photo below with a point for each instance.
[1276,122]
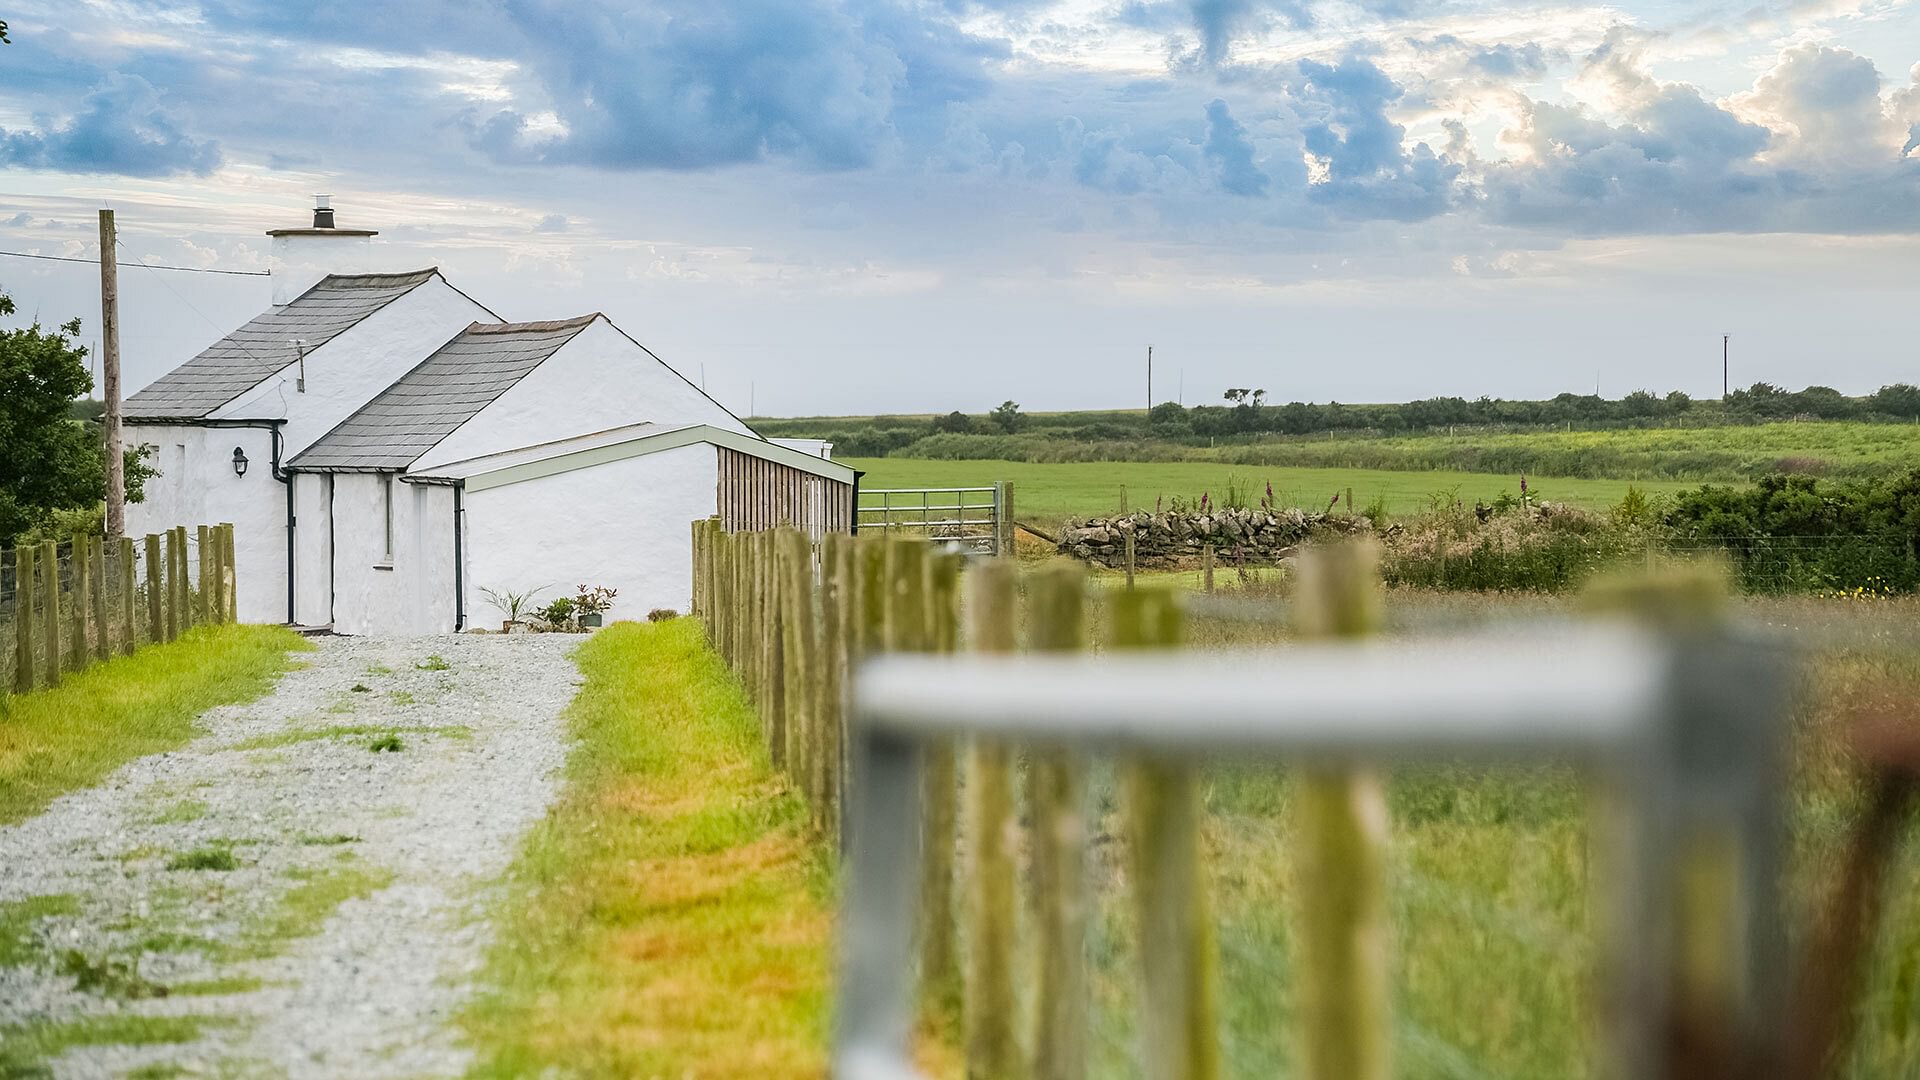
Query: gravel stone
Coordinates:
[433,825]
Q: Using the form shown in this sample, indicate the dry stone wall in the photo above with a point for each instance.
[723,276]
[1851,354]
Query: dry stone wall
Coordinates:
[1173,540]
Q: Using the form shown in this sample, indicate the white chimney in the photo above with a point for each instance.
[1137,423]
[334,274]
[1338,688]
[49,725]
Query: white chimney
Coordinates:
[301,257]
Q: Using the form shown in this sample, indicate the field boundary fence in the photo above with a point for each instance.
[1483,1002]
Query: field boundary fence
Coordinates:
[962,793]
[67,605]
[979,519]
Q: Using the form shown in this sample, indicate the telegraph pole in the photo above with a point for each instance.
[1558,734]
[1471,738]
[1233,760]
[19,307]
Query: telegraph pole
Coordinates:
[110,378]
[1149,380]
[1725,390]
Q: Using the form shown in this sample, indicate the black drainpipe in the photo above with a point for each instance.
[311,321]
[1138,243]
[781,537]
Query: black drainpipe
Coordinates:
[285,478]
[853,515]
[459,584]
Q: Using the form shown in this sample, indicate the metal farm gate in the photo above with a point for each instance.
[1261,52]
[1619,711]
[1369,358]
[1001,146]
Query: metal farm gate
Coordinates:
[980,519]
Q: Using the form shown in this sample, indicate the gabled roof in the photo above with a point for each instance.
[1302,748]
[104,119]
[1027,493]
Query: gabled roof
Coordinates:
[462,377]
[238,362]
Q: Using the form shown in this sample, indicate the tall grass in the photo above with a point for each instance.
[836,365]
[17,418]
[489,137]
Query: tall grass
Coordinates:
[72,736]
[670,915]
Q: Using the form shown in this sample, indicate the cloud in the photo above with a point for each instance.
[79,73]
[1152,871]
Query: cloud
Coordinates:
[1220,22]
[1825,104]
[691,84]
[1369,171]
[119,128]
[1228,147]
[1810,148]
[552,223]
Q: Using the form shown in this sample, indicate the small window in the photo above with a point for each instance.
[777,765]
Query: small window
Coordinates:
[386,498]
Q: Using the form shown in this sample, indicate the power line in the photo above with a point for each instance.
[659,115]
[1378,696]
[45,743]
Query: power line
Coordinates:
[150,266]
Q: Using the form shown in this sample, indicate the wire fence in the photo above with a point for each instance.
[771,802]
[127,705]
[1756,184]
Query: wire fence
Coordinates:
[67,605]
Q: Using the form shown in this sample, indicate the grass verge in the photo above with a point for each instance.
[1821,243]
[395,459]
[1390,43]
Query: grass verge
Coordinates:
[72,736]
[670,916]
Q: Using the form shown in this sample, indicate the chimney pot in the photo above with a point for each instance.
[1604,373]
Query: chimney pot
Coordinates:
[323,211]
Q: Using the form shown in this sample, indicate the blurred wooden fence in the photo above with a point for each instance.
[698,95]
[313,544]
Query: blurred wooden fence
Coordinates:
[67,606]
[793,618]
[993,751]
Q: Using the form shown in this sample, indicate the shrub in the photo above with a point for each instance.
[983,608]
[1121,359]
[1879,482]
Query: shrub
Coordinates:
[662,614]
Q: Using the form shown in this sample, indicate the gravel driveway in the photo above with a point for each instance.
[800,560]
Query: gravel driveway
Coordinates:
[311,876]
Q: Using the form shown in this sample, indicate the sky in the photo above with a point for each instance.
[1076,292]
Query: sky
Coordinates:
[858,206]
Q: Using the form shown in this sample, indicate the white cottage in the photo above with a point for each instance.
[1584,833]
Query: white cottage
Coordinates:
[387,449]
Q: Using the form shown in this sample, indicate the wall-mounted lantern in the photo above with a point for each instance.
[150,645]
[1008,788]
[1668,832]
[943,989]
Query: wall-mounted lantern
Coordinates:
[239,462]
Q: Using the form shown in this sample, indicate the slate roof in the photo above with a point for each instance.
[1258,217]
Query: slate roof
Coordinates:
[238,362]
[425,406]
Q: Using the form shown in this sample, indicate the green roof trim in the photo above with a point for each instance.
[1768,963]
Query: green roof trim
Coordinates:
[654,443]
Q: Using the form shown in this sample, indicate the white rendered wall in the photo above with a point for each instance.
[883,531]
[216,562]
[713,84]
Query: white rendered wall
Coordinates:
[196,486]
[358,363]
[312,549]
[598,380]
[413,592]
[626,524]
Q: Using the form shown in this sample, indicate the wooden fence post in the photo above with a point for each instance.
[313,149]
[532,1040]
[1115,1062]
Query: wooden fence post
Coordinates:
[129,619]
[1164,811]
[156,607]
[229,580]
[23,596]
[79,652]
[184,577]
[830,704]
[871,588]
[1129,536]
[50,625]
[1206,567]
[205,594]
[102,632]
[171,586]
[773,661]
[799,659]
[1340,840]
[939,814]
[993,1038]
[1057,789]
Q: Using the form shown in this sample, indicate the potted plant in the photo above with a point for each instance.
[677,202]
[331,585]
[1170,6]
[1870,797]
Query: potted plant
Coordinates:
[558,615]
[516,606]
[592,602]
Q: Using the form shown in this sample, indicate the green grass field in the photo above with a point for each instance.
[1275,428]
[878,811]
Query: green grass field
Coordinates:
[1045,494]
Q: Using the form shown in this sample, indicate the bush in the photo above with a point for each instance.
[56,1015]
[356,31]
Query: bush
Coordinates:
[662,614]
[1546,548]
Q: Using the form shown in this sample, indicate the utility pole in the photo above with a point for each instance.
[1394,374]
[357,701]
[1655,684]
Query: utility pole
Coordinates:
[1726,391]
[110,379]
[1149,380]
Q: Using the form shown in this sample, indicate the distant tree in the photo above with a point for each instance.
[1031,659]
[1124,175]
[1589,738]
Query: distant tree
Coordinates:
[1237,395]
[1007,417]
[1640,403]
[1679,400]
[1897,399]
[49,461]
[955,423]
[1167,413]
